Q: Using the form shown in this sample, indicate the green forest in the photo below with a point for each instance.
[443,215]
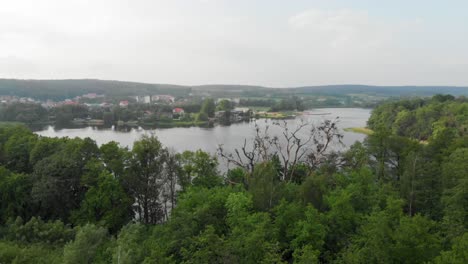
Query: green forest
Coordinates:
[398,197]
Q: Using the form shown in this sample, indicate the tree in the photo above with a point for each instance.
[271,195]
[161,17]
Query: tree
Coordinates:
[145,178]
[264,184]
[208,107]
[252,236]
[390,237]
[458,254]
[208,247]
[17,149]
[224,105]
[115,158]
[105,204]
[15,195]
[54,233]
[57,187]
[129,245]
[173,178]
[455,196]
[87,246]
[200,169]
[290,146]
[309,234]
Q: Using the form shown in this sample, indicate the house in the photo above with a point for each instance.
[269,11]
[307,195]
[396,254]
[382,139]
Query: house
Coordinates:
[69,102]
[146,99]
[163,98]
[220,114]
[90,95]
[178,111]
[242,110]
[123,103]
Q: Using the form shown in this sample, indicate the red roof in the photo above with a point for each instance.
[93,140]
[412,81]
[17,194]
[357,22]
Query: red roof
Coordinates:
[178,110]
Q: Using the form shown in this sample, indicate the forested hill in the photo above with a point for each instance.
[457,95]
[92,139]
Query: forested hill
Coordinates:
[384,90]
[62,89]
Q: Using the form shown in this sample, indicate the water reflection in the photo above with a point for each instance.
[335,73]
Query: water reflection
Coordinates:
[208,139]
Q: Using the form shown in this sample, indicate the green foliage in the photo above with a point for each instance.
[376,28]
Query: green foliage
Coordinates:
[114,157]
[421,119]
[309,232]
[129,245]
[57,185]
[105,204]
[200,169]
[208,247]
[15,196]
[224,105]
[23,112]
[143,181]
[236,176]
[389,237]
[264,185]
[16,151]
[88,246]
[288,104]
[38,231]
[252,235]
[208,108]
[33,253]
[455,196]
[458,254]
[389,200]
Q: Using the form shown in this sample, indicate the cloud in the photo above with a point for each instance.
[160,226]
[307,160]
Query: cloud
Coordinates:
[217,41]
[341,28]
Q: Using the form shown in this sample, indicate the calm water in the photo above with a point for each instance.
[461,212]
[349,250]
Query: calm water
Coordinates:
[208,139]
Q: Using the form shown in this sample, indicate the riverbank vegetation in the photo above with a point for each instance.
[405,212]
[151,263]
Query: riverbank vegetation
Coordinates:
[286,198]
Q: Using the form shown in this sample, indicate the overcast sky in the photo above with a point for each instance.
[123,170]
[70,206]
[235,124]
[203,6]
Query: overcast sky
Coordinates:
[278,43]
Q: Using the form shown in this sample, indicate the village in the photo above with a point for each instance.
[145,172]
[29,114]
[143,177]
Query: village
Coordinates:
[145,110]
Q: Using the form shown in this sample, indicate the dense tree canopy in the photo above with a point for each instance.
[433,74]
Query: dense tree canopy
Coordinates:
[391,199]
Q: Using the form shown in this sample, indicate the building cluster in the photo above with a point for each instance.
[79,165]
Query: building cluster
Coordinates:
[15,99]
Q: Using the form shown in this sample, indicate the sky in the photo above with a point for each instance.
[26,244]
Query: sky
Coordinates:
[277,43]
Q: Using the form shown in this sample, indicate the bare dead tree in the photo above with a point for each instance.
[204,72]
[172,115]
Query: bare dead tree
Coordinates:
[292,148]
[324,135]
[250,154]
[304,143]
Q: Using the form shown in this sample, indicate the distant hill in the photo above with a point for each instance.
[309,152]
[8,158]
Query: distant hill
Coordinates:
[62,89]
[384,90]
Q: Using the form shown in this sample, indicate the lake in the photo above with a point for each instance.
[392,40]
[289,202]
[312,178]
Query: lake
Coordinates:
[208,139]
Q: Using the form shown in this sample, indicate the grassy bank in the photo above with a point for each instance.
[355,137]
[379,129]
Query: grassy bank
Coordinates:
[176,124]
[361,130]
[276,115]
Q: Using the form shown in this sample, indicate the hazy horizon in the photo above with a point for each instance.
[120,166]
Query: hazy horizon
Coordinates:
[233,84]
[259,43]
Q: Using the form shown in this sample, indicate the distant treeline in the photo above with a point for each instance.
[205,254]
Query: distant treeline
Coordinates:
[62,89]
